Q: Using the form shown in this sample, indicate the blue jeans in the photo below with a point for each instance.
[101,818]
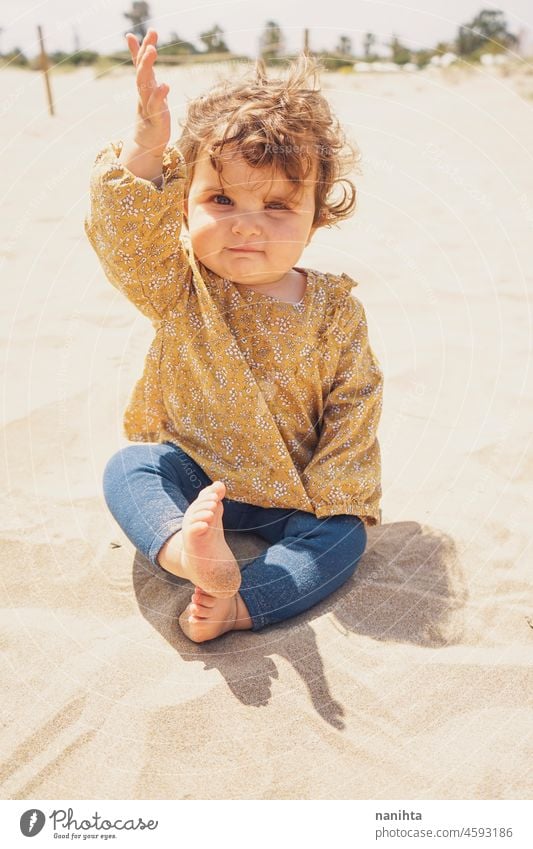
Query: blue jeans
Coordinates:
[148,488]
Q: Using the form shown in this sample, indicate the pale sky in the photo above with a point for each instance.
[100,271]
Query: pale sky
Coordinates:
[99,24]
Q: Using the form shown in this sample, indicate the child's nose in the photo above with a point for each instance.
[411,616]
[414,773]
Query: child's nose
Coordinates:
[246,225]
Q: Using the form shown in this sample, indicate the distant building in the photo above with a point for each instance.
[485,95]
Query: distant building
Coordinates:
[495,59]
[380,67]
[444,60]
[524,48]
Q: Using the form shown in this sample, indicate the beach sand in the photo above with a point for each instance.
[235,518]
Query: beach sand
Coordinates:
[414,680]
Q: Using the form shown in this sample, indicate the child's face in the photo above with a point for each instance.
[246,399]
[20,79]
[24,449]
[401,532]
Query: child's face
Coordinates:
[251,212]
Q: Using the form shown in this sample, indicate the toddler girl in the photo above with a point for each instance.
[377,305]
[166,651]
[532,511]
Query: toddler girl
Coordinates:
[261,396]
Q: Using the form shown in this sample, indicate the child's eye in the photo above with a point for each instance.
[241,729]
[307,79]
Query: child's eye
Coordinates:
[226,198]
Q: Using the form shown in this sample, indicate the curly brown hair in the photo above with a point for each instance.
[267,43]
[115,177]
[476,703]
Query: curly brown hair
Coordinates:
[285,123]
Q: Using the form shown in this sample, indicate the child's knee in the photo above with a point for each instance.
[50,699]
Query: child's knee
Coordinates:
[349,539]
[116,468]
[351,528]
[342,536]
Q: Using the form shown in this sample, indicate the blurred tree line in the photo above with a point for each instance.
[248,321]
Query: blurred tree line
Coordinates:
[487,32]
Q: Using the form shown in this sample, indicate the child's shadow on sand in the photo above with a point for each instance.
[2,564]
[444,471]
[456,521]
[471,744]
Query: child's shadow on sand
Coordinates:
[408,587]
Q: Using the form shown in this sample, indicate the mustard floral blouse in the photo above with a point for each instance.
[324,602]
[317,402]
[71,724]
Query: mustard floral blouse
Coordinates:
[280,401]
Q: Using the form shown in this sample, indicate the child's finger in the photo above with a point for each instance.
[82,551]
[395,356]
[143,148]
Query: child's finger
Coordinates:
[146,81]
[133,46]
[149,39]
[136,49]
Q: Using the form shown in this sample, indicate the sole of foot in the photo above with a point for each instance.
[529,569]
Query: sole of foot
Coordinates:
[206,556]
[207,617]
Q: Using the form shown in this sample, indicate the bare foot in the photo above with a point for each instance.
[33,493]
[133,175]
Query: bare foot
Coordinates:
[207,617]
[206,557]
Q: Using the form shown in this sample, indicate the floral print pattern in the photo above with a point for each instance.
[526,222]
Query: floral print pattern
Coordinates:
[281,401]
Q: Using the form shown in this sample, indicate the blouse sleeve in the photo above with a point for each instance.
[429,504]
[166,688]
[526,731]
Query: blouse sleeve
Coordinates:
[344,475]
[134,227]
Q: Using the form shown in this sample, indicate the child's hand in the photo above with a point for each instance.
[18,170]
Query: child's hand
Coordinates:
[152,131]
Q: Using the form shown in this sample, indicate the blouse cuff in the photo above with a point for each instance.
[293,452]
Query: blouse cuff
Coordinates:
[173,165]
[369,514]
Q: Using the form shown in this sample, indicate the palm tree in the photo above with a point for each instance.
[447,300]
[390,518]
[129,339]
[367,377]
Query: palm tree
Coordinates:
[400,54]
[271,41]
[368,44]
[139,15]
[214,43]
[488,31]
[344,46]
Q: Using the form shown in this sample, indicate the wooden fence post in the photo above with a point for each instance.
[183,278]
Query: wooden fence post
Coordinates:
[44,69]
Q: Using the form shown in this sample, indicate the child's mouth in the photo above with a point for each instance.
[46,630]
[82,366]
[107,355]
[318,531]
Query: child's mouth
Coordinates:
[245,250]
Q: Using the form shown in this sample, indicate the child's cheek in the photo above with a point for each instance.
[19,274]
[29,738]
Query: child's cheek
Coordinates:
[206,219]
[292,231]
[205,214]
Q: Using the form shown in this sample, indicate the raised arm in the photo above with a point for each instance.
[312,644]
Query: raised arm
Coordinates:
[136,201]
[344,475]
[143,156]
